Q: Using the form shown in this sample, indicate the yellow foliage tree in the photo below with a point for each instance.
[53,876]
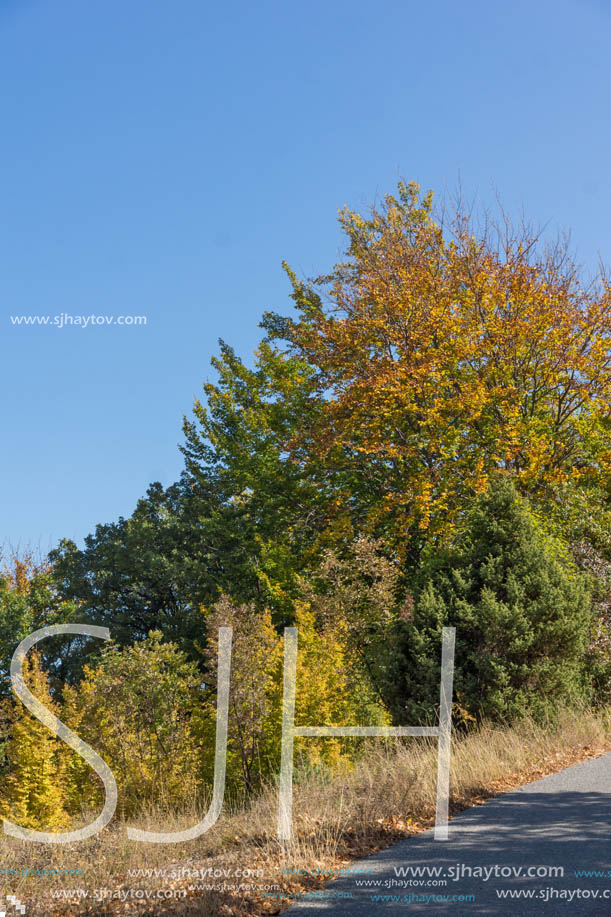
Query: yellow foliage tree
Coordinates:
[32,794]
[443,353]
[330,691]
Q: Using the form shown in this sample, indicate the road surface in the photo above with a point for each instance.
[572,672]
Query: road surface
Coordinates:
[562,822]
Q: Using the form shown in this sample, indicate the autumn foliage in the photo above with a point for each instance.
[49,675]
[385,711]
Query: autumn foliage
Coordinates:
[425,440]
[443,353]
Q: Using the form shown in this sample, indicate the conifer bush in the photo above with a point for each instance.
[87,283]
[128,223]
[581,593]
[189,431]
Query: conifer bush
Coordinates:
[522,612]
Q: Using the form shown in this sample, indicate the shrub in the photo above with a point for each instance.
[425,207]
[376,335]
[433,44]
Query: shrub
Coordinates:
[32,792]
[140,709]
[330,691]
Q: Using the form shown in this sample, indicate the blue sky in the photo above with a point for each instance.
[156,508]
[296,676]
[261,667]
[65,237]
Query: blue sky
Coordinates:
[161,159]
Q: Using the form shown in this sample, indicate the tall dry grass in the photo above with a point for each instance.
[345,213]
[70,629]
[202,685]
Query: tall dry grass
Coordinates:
[388,793]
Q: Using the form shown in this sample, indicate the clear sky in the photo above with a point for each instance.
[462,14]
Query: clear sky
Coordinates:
[162,158]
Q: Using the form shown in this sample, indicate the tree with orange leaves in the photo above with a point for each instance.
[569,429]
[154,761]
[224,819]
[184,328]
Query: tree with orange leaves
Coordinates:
[443,353]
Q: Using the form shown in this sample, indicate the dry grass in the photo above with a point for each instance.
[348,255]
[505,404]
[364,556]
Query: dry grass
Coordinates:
[390,793]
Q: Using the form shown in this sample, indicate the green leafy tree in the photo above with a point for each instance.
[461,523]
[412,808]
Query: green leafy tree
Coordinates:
[240,437]
[153,570]
[30,599]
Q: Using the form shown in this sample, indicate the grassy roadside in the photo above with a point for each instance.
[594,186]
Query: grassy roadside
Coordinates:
[389,794]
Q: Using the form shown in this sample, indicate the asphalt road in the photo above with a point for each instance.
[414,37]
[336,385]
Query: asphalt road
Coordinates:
[562,821]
